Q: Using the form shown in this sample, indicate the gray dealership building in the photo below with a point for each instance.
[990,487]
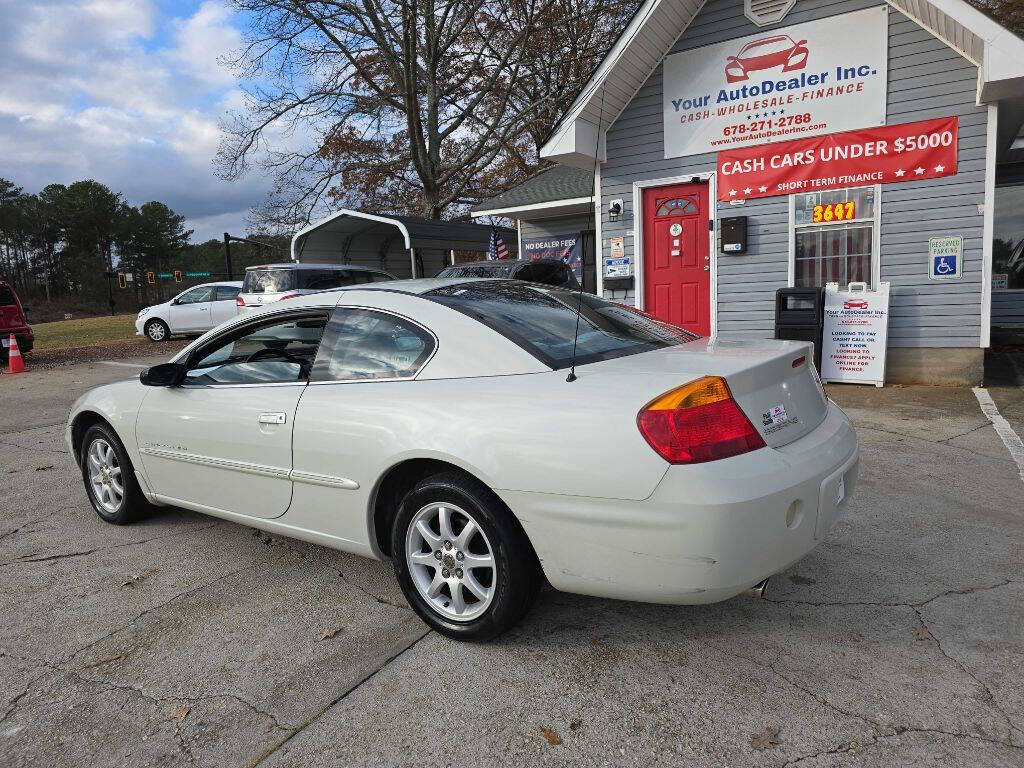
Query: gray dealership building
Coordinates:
[740,146]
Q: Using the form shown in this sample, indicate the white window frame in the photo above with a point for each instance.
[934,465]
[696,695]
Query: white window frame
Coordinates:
[876,233]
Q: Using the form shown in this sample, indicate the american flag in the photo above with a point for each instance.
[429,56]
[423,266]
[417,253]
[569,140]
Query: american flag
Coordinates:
[496,248]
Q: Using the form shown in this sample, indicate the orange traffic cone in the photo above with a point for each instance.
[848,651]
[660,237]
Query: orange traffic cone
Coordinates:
[14,362]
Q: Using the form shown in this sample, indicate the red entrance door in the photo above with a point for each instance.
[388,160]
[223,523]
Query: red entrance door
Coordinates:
[677,262]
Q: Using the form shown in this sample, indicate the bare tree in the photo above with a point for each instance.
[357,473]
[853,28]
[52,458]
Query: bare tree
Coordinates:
[405,105]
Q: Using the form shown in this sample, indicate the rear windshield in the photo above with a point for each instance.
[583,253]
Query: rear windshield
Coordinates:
[268,280]
[543,321]
[277,280]
[6,295]
[476,270]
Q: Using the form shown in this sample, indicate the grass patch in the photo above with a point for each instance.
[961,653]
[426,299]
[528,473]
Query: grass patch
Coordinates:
[84,332]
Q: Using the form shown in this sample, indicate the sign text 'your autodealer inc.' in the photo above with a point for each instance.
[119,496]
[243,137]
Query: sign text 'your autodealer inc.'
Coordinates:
[804,80]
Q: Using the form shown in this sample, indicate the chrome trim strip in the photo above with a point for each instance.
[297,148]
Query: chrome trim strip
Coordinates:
[211,461]
[313,478]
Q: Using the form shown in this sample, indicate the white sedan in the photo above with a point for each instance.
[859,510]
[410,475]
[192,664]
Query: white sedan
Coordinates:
[439,423]
[196,310]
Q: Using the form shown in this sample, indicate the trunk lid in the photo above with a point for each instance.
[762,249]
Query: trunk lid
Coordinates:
[782,401]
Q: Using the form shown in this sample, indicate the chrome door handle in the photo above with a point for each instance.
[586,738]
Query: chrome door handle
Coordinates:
[273,418]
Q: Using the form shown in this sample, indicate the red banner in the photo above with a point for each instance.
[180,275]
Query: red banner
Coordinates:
[891,153]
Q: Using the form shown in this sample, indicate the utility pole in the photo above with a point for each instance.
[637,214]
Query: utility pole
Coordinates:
[227,254]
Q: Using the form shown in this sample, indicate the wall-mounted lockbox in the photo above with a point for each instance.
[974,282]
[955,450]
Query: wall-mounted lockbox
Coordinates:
[733,230]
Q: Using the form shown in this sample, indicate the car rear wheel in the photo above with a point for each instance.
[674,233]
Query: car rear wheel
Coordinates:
[157,330]
[462,560]
[109,477]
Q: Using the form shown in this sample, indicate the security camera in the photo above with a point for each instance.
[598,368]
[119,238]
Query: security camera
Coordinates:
[615,208]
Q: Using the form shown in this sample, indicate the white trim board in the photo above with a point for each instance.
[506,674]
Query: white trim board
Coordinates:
[988,226]
[528,207]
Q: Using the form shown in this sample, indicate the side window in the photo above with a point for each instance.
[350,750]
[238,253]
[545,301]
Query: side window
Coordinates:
[536,273]
[196,295]
[362,344]
[272,352]
[379,277]
[325,279]
[226,293]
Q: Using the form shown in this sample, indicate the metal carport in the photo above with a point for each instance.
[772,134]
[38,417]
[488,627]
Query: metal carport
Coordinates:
[405,246]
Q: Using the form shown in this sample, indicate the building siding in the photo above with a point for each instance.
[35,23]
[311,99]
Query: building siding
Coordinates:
[927,79]
[557,225]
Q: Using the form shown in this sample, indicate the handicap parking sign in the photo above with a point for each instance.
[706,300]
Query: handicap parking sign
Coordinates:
[945,258]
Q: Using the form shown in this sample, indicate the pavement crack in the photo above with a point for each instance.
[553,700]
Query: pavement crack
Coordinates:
[36,557]
[330,705]
[50,558]
[964,434]
[167,602]
[870,428]
[26,524]
[34,448]
[887,603]
[1011,729]
[379,598]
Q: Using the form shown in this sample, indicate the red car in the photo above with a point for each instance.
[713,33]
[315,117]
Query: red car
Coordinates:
[855,304]
[12,320]
[766,53]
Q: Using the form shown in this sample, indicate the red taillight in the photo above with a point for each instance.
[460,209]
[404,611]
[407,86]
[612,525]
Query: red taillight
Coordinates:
[289,296]
[698,422]
[239,301]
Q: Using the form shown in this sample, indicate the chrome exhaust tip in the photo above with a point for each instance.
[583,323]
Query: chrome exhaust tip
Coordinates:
[758,589]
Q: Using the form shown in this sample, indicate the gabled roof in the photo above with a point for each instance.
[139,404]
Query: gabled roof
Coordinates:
[650,35]
[561,183]
[414,231]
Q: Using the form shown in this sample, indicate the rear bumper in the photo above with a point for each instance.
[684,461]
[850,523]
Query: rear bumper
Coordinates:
[708,532]
[25,337]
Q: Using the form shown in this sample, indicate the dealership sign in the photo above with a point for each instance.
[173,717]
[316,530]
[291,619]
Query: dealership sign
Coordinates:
[564,247]
[805,80]
[892,153]
[856,331]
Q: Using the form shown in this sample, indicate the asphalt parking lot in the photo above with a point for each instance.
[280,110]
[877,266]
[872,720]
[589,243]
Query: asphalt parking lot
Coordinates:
[188,641]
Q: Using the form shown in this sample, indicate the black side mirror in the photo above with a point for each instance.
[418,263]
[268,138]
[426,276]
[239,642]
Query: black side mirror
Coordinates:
[163,375]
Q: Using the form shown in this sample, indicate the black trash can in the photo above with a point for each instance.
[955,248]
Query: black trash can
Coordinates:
[800,316]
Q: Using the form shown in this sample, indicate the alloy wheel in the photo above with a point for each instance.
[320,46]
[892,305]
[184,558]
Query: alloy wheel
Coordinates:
[450,561]
[156,331]
[105,475]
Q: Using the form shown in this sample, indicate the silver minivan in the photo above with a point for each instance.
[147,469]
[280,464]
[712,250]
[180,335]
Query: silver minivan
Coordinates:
[268,283]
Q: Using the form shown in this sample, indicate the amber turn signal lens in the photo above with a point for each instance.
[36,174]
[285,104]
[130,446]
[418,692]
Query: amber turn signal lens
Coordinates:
[698,422]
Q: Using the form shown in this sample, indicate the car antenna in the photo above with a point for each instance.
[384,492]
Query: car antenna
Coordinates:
[597,246]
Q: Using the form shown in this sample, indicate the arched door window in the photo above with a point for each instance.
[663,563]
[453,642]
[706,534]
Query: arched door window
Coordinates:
[677,206]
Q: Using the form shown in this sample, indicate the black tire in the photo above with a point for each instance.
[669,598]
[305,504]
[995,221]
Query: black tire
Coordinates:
[156,330]
[516,576]
[133,505]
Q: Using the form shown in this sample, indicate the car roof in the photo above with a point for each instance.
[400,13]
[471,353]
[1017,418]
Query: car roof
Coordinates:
[315,265]
[504,262]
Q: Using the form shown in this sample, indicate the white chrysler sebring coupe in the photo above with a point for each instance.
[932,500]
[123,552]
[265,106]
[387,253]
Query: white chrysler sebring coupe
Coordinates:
[439,423]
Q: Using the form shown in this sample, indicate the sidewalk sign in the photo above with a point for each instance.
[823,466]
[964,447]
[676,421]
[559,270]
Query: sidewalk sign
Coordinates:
[855,335]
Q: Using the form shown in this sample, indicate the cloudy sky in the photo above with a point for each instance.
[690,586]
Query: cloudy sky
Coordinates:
[128,92]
